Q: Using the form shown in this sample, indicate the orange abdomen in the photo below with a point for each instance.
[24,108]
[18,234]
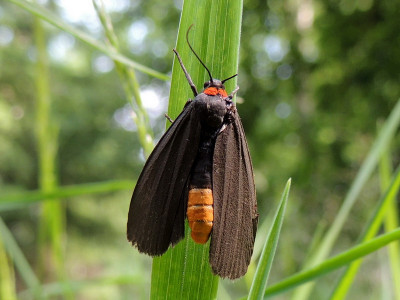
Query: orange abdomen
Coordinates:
[200,214]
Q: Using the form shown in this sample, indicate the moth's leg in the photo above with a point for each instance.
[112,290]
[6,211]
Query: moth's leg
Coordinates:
[231,95]
[168,118]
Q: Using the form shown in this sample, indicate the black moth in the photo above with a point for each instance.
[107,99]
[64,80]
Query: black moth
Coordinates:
[202,159]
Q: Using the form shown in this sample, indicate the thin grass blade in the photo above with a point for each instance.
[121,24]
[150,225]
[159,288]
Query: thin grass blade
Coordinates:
[373,225]
[55,289]
[21,263]
[17,200]
[381,143]
[259,284]
[129,82]
[50,18]
[7,278]
[334,263]
[391,223]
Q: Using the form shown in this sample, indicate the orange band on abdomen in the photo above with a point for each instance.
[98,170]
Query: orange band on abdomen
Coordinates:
[200,214]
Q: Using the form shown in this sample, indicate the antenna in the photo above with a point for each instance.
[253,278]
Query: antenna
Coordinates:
[228,78]
[190,46]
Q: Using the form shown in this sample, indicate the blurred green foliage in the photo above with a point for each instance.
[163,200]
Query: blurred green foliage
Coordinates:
[316,79]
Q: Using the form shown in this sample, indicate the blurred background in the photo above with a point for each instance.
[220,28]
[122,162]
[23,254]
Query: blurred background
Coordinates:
[317,78]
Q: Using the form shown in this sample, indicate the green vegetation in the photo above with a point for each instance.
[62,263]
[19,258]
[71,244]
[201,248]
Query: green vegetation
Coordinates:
[83,91]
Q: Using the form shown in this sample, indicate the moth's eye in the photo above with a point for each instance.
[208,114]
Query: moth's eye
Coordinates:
[206,84]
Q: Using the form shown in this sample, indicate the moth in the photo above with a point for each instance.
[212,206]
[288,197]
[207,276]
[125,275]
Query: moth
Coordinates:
[200,170]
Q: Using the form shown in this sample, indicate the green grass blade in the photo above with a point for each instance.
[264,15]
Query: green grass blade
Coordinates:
[7,278]
[54,289]
[380,144]
[129,82]
[370,231]
[259,284]
[184,272]
[21,199]
[334,263]
[50,254]
[215,37]
[391,223]
[13,250]
[50,18]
